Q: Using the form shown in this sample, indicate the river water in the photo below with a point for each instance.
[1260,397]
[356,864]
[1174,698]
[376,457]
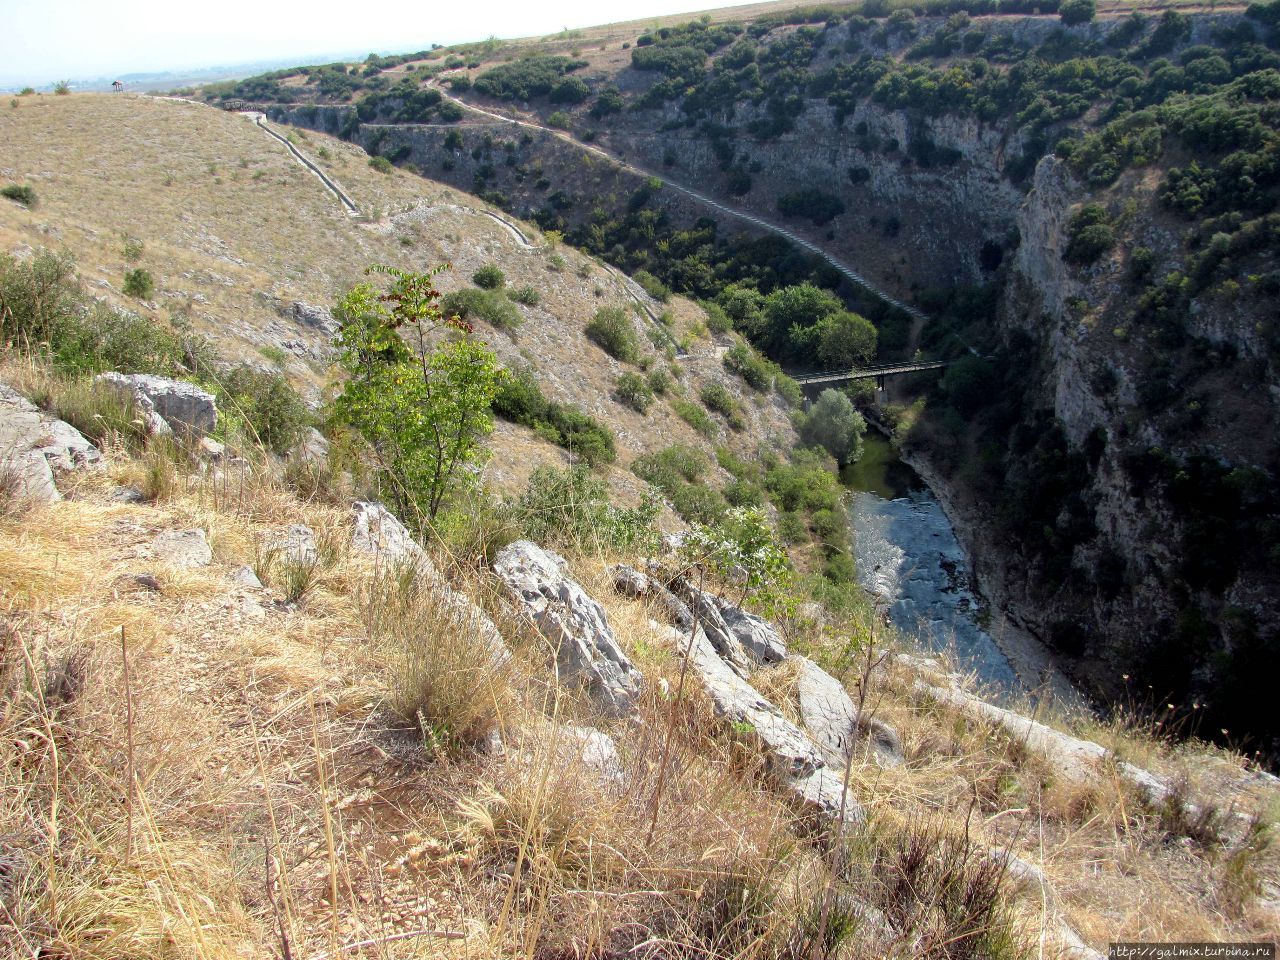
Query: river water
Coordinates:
[907,554]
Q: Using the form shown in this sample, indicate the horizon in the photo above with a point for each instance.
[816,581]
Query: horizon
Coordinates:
[148,37]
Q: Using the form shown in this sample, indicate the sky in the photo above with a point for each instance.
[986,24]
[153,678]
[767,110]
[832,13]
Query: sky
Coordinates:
[46,40]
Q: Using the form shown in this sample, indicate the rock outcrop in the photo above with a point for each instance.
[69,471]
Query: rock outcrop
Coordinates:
[34,446]
[829,714]
[376,530]
[184,549]
[574,624]
[168,405]
[758,637]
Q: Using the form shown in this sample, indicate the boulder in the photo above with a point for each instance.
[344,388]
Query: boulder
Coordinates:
[757,636]
[1077,760]
[245,577]
[573,622]
[630,582]
[309,315]
[831,718]
[791,755]
[295,544]
[376,530]
[184,549]
[707,613]
[168,405]
[35,446]
[314,447]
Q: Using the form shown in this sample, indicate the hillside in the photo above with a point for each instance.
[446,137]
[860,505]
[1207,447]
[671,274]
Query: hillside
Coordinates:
[245,711]
[1107,187]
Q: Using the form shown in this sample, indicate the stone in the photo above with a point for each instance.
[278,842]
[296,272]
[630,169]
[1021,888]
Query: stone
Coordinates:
[35,447]
[131,495]
[185,549]
[180,406]
[314,447]
[245,577]
[295,544]
[309,315]
[707,614]
[147,581]
[1077,760]
[573,622]
[378,531]
[597,751]
[758,637]
[211,449]
[632,583]
[791,755]
[829,714]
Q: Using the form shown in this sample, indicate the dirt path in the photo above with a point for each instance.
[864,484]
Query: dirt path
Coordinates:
[336,190]
[844,269]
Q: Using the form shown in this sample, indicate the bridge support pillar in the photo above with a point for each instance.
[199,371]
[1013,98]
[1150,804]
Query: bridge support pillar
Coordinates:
[880,383]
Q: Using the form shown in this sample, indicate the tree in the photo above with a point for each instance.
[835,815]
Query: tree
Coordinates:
[799,306]
[845,339]
[1073,12]
[420,388]
[834,424]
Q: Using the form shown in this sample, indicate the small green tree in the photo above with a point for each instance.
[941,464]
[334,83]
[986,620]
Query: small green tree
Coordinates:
[740,546]
[490,277]
[420,388]
[1073,12]
[834,424]
[139,283]
[62,88]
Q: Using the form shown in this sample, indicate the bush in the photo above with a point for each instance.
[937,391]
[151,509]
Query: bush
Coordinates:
[22,194]
[1089,235]
[529,296]
[718,321]
[834,425]
[267,405]
[716,396]
[815,205]
[139,284]
[612,331]
[634,390]
[1075,12]
[570,508]
[678,472]
[489,277]
[491,306]
[652,285]
[62,88]
[381,164]
[560,120]
[696,417]
[520,400]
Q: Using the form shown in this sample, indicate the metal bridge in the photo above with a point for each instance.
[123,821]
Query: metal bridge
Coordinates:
[867,373]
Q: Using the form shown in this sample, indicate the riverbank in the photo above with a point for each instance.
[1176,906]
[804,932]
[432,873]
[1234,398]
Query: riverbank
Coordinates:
[1032,661]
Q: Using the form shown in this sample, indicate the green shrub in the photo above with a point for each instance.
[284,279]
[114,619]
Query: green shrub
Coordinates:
[652,285]
[139,284]
[19,193]
[381,164]
[268,408]
[560,120]
[659,382]
[612,331]
[696,417]
[678,472]
[570,508]
[489,277]
[634,390]
[62,88]
[834,425]
[716,396]
[743,360]
[1075,12]
[520,400]
[529,296]
[1089,235]
[491,306]
[718,321]
[132,249]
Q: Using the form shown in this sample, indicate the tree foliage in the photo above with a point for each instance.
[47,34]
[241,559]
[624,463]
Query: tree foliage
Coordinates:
[420,389]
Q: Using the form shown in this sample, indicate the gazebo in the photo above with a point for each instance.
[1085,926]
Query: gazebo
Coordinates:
[117,86]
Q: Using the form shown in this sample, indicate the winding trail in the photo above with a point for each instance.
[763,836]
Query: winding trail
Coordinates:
[336,190]
[844,269]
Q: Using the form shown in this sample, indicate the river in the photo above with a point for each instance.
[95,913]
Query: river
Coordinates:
[906,553]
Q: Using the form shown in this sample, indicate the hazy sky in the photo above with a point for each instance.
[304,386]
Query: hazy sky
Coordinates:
[44,40]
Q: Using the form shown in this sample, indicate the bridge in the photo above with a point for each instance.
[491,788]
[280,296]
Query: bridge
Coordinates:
[867,373]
